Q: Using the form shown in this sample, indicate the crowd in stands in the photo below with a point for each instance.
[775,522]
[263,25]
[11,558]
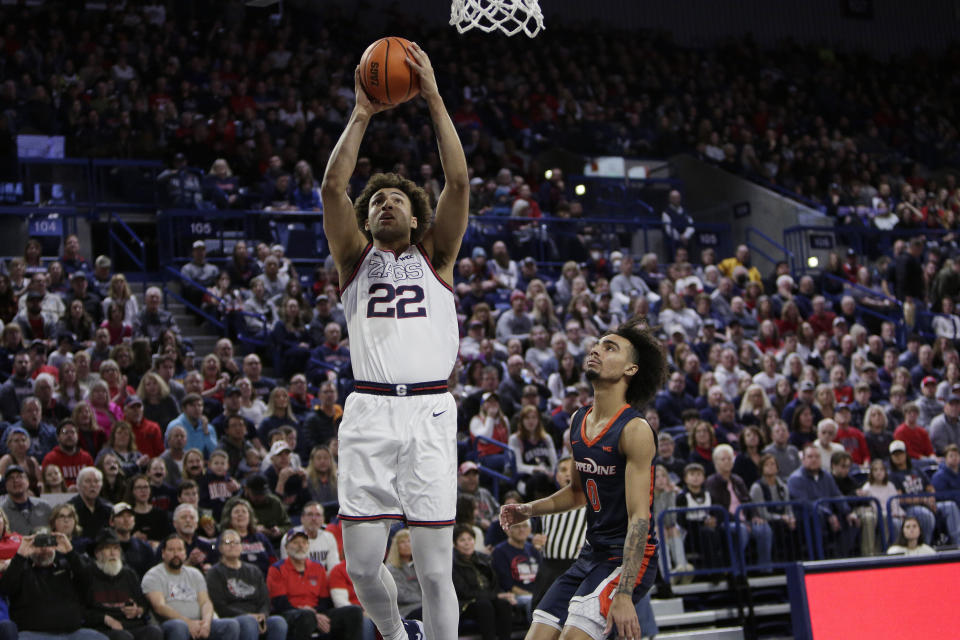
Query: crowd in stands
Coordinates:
[113,426]
[243,106]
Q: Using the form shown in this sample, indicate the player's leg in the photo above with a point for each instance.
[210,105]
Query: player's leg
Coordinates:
[540,631]
[364,544]
[427,487]
[431,557]
[572,633]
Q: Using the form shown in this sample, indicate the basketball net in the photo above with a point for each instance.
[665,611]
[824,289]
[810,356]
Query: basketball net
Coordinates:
[509,16]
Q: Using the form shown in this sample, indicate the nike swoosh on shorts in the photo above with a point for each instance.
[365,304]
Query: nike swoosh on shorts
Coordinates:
[439,414]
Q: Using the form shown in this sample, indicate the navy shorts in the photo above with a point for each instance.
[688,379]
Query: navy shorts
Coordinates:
[581,597]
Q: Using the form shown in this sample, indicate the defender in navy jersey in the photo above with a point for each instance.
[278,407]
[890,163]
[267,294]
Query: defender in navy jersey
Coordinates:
[398,456]
[613,449]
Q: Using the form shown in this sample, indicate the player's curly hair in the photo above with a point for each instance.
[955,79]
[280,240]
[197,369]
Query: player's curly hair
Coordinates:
[651,360]
[419,200]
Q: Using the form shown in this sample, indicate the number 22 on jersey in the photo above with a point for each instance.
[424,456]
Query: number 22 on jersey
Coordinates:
[387,301]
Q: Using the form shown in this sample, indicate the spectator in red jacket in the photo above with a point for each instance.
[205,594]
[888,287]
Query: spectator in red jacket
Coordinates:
[849,436]
[146,432]
[913,434]
[67,454]
[300,592]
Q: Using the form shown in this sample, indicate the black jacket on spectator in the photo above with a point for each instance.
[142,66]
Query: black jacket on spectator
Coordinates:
[229,601]
[909,279]
[138,555]
[106,595]
[473,578]
[92,521]
[670,406]
[716,486]
[45,600]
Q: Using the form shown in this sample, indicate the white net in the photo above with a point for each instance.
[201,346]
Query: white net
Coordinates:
[509,16]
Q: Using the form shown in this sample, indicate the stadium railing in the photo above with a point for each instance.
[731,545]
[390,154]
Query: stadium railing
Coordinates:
[905,501]
[822,509]
[90,182]
[117,241]
[805,241]
[752,238]
[497,477]
[789,544]
[251,341]
[707,559]
[302,233]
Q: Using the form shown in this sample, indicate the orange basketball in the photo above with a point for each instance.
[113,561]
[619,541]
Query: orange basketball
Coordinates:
[385,74]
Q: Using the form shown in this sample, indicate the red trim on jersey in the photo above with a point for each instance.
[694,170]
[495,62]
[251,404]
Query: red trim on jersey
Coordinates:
[381,516]
[431,523]
[356,268]
[583,426]
[426,257]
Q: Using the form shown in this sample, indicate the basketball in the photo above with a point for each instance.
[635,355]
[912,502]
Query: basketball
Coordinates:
[385,74]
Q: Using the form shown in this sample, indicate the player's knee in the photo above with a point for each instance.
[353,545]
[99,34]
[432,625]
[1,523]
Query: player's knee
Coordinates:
[434,580]
[362,572]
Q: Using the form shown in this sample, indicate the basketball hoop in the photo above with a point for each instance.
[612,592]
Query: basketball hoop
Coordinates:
[509,16]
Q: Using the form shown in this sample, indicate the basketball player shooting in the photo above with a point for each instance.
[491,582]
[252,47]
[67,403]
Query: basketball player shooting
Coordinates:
[613,450]
[398,435]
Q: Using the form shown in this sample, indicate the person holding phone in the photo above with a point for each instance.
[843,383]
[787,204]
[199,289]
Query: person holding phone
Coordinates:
[43,584]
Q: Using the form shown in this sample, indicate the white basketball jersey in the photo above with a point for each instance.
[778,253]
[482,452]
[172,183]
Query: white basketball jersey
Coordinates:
[401,318]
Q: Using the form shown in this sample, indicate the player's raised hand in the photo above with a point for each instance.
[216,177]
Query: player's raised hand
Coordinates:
[623,616]
[511,514]
[364,104]
[421,64]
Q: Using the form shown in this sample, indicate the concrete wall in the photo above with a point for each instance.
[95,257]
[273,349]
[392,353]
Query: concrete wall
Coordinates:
[711,195]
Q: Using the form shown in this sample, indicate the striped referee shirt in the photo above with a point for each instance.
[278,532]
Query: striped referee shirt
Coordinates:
[565,532]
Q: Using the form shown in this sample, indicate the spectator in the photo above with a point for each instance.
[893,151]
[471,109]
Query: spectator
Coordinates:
[826,433]
[809,483]
[17,388]
[928,404]
[849,437]
[148,439]
[729,491]
[43,584]
[909,480]
[93,512]
[771,487]
[672,402]
[299,591]
[199,433]
[322,475]
[840,465]
[516,563]
[674,559]
[677,223]
[150,522]
[179,598]
[200,271]
[238,514]
[107,577]
[199,553]
[491,423]
[18,447]
[400,564]
[911,433]
[288,481]
[877,434]
[532,447]
[23,512]
[947,477]
[487,507]
[908,541]
[322,546]
[67,455]
[159,405]
[154,321]
[515,322]
[945,428]
[238,590]
[475,582]
[137,553]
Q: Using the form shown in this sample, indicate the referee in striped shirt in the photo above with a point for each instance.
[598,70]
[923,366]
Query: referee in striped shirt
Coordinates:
[564,534]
